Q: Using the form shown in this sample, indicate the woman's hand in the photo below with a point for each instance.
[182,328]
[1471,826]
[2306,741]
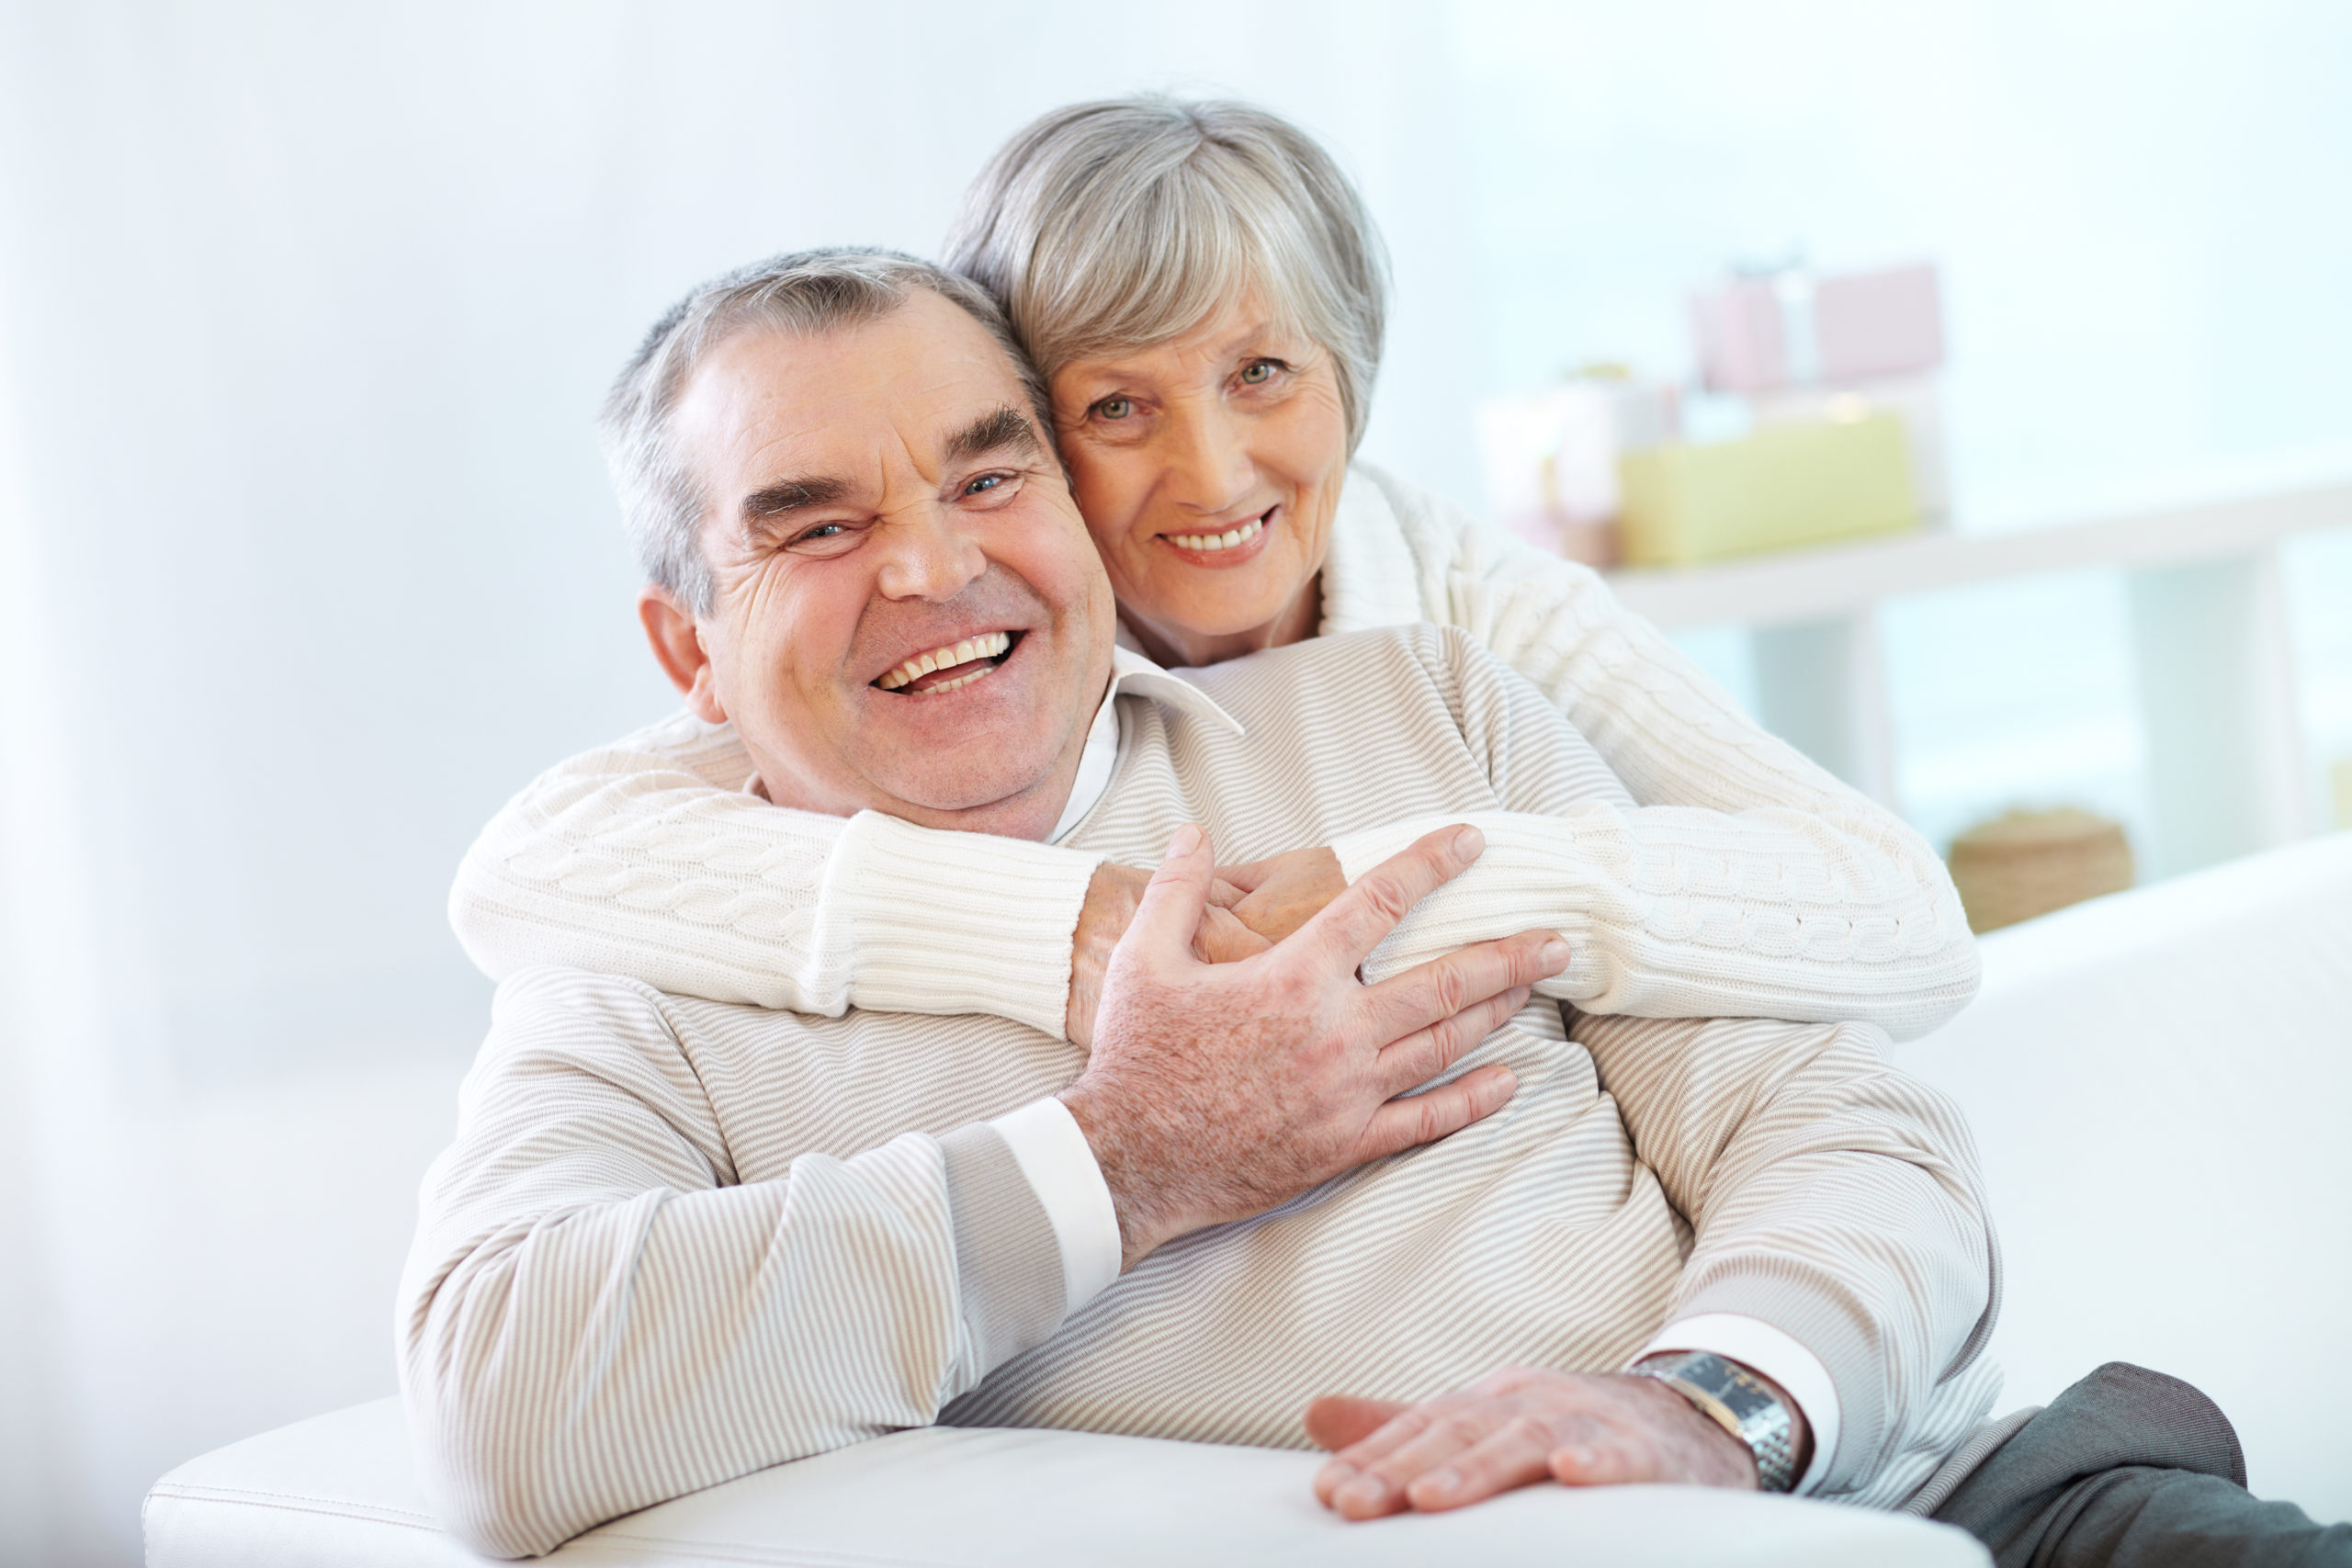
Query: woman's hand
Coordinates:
[1275,896]
[1520,1425]
[1112,897]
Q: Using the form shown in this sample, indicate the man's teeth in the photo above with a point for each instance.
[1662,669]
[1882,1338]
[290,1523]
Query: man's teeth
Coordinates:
[987,645]
[1225,541]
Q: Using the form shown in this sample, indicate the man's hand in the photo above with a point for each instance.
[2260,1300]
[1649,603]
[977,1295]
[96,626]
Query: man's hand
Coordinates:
[1112,897]
[1520,1425]
[1216,1091]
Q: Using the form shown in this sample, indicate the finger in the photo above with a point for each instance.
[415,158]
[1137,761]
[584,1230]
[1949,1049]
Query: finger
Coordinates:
[1443,987]
[1337,1420]
[1225,893]
[1169,910]
[1347,1467]
[1352,924]
[1246,879]
[1385,1484]
[1223,938]
[1421,1056]
[1517,1455]
[1420,1119]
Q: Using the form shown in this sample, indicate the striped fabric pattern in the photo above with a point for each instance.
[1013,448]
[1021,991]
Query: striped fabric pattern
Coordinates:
[677,1240]
[1742,880]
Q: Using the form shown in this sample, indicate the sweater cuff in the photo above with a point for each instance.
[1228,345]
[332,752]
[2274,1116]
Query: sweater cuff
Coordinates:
[1001,948]
[1762,1348]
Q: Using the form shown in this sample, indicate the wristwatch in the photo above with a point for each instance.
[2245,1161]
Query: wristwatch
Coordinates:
[1735,1400]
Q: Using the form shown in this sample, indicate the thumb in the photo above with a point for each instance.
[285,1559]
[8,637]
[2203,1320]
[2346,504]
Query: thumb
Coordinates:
[1169,910]
[1341,1420]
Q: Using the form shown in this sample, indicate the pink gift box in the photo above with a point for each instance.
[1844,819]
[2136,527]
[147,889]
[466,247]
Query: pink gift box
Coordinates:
[1796,329]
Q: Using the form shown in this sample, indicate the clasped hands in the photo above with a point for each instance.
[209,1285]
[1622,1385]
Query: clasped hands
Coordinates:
[1236,1060]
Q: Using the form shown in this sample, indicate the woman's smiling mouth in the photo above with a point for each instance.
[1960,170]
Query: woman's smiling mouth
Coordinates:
[1235,544]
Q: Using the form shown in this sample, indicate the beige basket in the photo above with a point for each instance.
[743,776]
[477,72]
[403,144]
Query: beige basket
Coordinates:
[2025,864]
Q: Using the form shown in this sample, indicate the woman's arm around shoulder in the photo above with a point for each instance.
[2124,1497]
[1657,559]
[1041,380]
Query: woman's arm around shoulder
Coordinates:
[649,859]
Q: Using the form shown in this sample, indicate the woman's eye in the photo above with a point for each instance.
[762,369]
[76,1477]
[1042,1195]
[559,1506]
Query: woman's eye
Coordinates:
[1256,372]
[1115,408]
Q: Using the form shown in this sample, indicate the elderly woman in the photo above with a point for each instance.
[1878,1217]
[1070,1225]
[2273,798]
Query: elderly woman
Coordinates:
[1203,293]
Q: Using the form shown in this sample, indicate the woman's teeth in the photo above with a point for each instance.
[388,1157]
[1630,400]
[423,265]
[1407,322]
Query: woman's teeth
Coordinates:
[988,645]
[1225,541]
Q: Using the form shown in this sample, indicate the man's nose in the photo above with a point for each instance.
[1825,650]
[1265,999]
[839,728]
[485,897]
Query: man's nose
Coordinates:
[928,556]
[1207,452]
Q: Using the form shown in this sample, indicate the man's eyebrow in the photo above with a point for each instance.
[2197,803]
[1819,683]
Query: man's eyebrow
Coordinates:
[785,497]
[1006,430]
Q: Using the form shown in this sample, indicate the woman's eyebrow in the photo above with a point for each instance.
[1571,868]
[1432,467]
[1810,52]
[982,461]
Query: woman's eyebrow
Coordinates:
[1003,430]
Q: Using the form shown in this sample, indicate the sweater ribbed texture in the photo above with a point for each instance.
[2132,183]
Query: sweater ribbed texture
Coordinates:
[678,1240]
[1742,881]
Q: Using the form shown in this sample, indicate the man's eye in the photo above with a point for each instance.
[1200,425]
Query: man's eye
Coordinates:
[985,483]
[1257,372]
[822,531]
[1115,408]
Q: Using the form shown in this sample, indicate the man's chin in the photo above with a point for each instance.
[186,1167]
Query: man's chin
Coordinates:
[980,796]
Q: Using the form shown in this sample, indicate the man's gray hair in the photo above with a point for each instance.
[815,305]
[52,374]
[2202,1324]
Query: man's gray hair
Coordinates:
[805,294]
[1127,223]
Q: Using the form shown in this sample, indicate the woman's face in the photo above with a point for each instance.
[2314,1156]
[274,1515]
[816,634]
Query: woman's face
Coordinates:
[1208,468]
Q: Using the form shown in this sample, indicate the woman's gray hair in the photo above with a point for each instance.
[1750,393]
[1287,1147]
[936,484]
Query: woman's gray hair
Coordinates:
[1125,223]
[805,294]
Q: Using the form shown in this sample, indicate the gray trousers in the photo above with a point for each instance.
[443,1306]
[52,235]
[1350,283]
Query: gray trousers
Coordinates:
[2131,1468]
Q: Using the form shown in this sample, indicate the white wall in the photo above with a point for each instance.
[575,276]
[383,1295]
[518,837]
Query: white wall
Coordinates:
[306,561]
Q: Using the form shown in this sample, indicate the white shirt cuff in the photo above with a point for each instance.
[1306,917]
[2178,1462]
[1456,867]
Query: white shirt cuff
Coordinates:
[1761,1347]
[1060,1163]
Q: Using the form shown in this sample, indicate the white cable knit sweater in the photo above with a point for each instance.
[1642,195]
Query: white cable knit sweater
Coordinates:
[1747,882]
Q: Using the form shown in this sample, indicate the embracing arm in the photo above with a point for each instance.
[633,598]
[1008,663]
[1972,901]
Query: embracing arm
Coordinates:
[1681,910]
[646,858]
[1719,807]
[597,1316]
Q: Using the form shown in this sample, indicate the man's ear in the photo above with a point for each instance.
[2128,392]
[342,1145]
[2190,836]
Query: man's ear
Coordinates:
[677,647]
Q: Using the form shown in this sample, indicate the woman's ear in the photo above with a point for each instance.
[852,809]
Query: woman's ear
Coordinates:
[677,647]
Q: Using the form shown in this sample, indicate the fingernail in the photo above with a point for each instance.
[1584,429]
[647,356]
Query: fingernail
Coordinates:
[1183,840]
[1469,843]
[1578,1459]
[1365,1491]
[1554,955]
[1445,1479]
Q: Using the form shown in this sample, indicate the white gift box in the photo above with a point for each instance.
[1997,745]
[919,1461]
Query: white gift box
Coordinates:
[1551,458]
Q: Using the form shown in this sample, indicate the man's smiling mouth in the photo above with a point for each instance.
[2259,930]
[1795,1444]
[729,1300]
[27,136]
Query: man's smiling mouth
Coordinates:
[950,668]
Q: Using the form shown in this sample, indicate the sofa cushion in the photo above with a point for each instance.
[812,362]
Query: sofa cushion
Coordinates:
[342,1489]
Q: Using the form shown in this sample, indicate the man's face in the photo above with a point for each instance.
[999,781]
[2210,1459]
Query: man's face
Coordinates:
[909,614]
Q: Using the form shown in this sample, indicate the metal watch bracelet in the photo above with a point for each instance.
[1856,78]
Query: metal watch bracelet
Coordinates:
[1732,1396]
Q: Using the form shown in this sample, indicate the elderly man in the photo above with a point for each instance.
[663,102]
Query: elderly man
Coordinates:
[678,1240]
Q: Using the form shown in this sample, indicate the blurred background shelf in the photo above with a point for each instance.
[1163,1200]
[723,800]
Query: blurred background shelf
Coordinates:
[2228,763]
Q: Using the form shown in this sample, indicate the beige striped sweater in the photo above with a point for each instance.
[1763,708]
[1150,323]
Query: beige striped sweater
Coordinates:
[1739,881]
[677,1240]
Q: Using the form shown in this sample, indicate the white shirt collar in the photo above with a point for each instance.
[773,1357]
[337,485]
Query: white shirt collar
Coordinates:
[1130,672]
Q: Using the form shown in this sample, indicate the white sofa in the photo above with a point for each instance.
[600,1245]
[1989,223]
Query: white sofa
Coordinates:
[2159,1083]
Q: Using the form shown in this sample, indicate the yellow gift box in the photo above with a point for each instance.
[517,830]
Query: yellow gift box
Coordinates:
[1787,484]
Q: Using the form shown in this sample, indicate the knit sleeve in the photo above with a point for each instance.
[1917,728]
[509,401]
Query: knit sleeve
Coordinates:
[648,859]
[1730,824]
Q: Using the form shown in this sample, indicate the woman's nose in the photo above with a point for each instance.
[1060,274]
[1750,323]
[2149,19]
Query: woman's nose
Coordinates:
[929,556]
[1208,459]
